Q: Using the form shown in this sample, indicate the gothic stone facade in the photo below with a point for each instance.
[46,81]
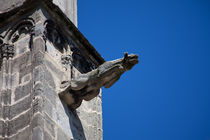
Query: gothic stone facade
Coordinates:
[39,48]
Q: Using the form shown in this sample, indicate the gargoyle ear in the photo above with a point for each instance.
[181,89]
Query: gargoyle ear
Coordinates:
[125,55]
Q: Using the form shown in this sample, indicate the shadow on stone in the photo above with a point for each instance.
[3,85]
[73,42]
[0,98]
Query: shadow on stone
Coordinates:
[75,123]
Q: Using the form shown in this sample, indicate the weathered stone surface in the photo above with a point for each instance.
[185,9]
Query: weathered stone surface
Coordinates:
[49,79]
[37,104]
[20,107]
[24,58]
[56,71]
[49,125]
[38,89]
[62,117]
[6,5]
[69,7]
[24,70]
[38,59]
[6,109]
[39,45]
[22,135]
[37,134]
[41,74]
[22,91]
[19,122]
[63,136]
[50,94]
[37,120]
[48,108]
[47,136]
[6,97]
[38,74]
[2,128]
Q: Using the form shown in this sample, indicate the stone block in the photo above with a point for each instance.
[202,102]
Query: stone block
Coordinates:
[22,46]
[23,135]
[22,91]
[2,129]
[6,96]
[20,107]
[49,78]
[6,110]
[39,45]
[24,58]
[62,117]
[53,68]
[4,79]
[37,120]
[47,136]
[49,125]
[43,75]
[62,136]
[19,122]
[48,107]
[14,80]
[37,134]
[38,74]
[24,70]
[38,59]
[50,94]
[26,78]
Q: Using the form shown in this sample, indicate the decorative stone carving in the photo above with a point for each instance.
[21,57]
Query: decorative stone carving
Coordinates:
[7,50]
[87,86]
[53,34]
[66,59]
[16,32]
[23,27]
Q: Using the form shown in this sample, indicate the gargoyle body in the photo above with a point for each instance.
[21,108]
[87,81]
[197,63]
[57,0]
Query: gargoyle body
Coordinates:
[87,86]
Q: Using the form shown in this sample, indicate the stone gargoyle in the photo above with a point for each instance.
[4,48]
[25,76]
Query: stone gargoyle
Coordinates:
[87,86]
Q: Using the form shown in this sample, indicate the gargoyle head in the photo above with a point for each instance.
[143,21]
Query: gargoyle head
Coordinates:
[129,60]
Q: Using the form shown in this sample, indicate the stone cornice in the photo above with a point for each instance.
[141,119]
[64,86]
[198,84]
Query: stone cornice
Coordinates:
[24,6]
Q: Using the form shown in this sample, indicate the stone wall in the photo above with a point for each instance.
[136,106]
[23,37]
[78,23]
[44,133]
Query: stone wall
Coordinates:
[33,62]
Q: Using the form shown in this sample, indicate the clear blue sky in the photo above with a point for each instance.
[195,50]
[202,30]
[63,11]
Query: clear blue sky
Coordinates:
[167,95]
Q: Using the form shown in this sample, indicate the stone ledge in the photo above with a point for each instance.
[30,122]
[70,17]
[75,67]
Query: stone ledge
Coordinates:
[57,14]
